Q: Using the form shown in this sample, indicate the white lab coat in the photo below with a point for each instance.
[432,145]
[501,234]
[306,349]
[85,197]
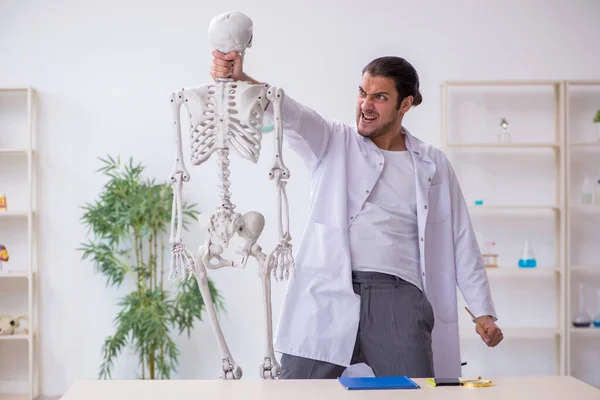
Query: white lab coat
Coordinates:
[320,313]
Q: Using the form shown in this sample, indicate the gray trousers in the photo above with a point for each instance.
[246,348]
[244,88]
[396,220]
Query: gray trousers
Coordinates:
[394,333]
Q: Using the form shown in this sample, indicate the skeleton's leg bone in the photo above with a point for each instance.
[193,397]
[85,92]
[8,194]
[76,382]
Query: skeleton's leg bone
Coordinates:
[250,228]
[229,368]
[269,368]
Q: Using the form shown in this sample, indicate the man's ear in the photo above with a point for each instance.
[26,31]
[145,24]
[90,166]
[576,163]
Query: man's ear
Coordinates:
[406,104]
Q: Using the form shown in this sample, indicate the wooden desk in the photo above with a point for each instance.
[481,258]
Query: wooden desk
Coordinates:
[508,388]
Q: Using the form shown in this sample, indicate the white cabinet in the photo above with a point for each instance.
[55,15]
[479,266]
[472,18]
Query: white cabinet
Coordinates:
[506,142]
[583,228]
[531,185]
[19,363]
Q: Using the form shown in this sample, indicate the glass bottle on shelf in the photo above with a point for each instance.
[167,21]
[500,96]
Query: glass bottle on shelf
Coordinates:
[527,259]
[504,135]
[587,191]
[583,319]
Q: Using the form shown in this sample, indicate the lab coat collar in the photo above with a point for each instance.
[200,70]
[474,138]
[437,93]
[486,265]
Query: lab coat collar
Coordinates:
[416,146]
[413,144]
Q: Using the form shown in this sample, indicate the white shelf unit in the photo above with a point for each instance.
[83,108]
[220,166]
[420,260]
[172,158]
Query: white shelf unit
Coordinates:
[18,232]
[530,301]
[583,228]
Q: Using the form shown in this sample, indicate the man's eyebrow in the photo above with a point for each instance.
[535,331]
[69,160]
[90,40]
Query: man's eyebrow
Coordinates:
[378,93]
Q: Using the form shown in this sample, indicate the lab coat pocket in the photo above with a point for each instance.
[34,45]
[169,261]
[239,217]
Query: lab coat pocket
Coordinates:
[438,204]
[324,250]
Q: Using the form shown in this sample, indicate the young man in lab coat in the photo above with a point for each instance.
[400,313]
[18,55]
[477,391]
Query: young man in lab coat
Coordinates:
[388,240]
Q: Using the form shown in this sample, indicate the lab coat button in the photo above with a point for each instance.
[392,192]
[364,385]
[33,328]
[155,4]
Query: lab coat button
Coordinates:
[367,191]
[429,179]
[421,239]
[425,206]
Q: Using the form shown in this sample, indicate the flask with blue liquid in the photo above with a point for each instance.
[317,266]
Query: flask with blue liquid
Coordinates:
[527,259]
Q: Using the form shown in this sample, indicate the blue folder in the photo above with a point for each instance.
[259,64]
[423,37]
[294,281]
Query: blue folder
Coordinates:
[374,383]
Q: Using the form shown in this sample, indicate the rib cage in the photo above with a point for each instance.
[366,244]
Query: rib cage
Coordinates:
[225,115]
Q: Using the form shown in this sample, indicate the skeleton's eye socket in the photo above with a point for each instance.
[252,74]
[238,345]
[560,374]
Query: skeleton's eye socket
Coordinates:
[12,323]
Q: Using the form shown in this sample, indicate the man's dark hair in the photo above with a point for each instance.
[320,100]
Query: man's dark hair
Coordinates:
[402,72]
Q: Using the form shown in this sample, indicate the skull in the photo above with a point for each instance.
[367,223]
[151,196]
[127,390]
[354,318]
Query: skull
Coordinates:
[230,31]
[9,323]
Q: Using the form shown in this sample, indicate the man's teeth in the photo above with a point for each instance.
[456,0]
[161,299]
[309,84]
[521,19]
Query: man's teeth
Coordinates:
[369,118]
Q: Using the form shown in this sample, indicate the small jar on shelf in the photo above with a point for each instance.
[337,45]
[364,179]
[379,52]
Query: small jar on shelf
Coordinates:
[587,191]
[582,319]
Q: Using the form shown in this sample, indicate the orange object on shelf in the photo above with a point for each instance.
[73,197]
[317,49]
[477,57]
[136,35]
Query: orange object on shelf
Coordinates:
[3,253]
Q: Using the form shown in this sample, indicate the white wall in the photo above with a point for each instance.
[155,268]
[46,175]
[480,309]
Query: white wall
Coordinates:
[104,72]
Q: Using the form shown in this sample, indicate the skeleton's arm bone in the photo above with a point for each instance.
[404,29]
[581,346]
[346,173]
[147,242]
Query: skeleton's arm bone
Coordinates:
[176,103]
[179,173]
[276,96]
[307,133]
[284,263]
[279,171]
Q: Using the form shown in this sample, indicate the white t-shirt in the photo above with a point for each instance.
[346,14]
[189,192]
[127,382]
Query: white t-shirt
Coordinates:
[384,235]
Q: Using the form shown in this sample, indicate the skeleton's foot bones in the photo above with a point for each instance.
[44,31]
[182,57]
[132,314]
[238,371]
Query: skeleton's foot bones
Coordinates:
[269,368]
[230,370]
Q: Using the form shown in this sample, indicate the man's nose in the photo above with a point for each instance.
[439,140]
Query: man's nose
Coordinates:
[366,105]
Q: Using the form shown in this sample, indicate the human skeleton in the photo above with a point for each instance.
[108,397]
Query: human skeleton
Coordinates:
[228,115]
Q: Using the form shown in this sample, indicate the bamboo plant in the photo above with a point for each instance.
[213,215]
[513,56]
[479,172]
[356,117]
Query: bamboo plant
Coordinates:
[128,241]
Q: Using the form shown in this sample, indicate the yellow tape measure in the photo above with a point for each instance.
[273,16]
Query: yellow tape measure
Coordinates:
[476,383]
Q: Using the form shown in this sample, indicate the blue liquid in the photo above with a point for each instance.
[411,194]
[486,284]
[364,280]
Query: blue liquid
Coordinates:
[597,323]
[529,263]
